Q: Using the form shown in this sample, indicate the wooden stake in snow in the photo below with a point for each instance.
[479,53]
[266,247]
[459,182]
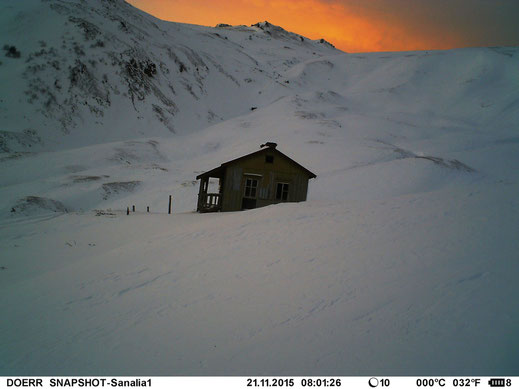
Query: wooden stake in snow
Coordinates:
[169,208]
[127,210]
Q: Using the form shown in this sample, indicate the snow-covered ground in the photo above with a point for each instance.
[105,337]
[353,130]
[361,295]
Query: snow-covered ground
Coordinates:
[414,284]
[403,261]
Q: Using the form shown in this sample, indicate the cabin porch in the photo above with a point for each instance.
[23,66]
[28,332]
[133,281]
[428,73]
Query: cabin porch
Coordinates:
[210,202]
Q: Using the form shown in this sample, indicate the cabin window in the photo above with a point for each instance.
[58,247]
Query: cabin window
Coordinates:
[269,159]
[251,186]
[282,191]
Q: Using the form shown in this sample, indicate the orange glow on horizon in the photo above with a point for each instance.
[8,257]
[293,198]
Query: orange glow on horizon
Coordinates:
[349,28]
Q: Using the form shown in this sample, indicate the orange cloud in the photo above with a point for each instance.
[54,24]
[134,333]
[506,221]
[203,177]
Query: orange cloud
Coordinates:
[350,25]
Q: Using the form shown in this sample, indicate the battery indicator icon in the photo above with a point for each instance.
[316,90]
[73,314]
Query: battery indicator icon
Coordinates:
[497,382]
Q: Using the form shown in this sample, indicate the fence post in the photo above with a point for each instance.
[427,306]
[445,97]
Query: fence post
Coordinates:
[127,210]
[169,208]
[148,209]
[133,208]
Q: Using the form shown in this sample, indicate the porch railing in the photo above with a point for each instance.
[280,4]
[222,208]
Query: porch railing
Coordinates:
[209,202]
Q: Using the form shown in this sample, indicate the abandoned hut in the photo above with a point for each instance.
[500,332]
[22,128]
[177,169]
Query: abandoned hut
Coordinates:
[255,180]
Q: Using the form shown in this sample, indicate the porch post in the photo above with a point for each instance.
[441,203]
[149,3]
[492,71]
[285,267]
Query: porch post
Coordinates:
[199,194]
[204,181]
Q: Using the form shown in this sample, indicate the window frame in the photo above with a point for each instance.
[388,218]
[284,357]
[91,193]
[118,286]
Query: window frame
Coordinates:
[252,188]
[283,194]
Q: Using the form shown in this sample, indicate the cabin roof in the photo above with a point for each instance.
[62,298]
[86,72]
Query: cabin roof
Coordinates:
[219,171]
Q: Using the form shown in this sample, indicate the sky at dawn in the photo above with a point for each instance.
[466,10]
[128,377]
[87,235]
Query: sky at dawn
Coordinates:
[361,25]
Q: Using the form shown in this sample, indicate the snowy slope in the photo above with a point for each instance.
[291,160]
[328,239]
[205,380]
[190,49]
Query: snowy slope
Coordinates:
[403,261]
[366,113]
[415,284]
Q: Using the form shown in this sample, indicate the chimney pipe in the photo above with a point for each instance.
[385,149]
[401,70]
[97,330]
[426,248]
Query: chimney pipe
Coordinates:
[270,145]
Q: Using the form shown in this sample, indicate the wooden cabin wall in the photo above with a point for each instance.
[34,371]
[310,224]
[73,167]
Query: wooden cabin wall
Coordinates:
[232,190]
[281,170]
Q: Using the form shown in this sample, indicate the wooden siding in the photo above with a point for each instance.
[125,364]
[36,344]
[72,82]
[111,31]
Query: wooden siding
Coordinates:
[281,170]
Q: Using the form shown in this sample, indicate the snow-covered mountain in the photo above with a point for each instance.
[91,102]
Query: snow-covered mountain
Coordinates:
[402,261]
[98,71]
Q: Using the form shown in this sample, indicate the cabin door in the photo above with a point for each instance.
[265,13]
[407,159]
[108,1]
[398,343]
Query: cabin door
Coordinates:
[249,197]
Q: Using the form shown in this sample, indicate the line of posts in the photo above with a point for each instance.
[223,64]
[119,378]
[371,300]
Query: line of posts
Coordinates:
[148,207]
